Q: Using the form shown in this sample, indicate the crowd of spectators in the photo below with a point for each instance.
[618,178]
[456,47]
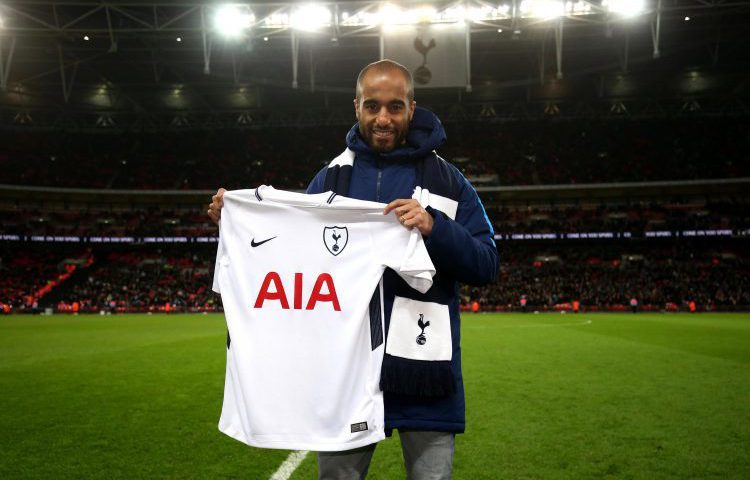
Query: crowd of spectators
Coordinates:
[609,275]
[513,153]
[27,275]
[58,220]
[191,221]
[601,275]
[127,281]
[637,217]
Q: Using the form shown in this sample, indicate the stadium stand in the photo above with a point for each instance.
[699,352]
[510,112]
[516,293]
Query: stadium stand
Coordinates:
[139,240]
[142,281]
[28,275]
[519,153]
[604,276]
[636,218]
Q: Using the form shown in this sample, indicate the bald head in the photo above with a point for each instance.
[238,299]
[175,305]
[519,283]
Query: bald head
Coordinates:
[384,105]
[386,67]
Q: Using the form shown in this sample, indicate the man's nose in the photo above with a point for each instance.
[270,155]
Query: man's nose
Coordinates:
[383,117]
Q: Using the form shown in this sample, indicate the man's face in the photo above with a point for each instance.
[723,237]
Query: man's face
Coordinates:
[383,110]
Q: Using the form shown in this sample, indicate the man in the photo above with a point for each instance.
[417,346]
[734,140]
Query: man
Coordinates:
[390,157]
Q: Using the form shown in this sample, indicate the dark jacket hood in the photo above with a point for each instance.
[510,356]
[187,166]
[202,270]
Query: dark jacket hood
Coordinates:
[426,134]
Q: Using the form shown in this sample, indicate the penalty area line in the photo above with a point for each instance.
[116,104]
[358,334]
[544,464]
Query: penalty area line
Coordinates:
[287,468]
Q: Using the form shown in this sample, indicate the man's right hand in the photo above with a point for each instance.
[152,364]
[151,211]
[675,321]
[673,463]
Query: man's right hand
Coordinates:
[214,208]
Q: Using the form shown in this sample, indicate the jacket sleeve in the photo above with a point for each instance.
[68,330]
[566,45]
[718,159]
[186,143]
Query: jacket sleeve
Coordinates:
[464,248]
[316,184]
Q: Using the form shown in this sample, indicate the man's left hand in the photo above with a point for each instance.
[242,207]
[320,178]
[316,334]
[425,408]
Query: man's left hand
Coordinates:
[411,215]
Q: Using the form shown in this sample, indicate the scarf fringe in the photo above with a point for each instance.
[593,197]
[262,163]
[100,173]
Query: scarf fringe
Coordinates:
[417,377]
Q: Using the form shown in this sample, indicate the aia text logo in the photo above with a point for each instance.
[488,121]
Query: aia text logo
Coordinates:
[272,289]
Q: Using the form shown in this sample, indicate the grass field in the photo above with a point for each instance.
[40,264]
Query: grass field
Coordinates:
[548,397]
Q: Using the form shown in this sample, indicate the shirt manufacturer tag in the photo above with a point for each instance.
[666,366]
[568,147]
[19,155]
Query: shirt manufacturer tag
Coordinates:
[359,427]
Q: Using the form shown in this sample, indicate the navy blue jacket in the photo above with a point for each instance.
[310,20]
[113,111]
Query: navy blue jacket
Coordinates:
[462,250]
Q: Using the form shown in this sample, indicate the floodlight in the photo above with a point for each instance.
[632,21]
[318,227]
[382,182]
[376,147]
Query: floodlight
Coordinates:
[276,20]
[687,19]
[486,12]
[361,18]
[310,17]
[578,7]
[86,37]
[390,14]
[626,8]
[423,14]
[547,9]
[455,13]
[476,14]
[231,20]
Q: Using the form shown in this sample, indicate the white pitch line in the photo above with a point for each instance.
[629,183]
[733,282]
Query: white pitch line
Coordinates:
[287,468]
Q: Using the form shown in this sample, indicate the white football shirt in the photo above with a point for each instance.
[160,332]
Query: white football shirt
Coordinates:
[296,274]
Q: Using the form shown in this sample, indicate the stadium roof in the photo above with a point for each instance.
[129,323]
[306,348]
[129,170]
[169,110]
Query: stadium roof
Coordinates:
[156,64]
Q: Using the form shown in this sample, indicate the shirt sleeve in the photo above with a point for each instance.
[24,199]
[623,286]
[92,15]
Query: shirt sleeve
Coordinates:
[404,251]
[465,247]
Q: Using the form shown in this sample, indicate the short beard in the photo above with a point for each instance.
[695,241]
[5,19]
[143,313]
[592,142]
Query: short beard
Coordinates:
[369,138]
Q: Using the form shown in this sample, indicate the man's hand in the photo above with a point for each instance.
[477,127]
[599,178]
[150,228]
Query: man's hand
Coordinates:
[214,208]
[411,215]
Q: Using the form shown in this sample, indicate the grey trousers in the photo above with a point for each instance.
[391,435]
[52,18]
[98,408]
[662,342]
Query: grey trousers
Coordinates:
[427,456]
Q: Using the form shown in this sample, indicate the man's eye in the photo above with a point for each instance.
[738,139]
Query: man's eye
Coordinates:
[396,108]
[371,107]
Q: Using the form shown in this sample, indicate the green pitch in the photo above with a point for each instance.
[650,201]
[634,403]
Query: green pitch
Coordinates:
[549,397]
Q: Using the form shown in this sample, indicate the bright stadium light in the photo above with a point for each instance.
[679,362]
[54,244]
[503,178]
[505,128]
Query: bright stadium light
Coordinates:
[578,8]
[310,17]
[486,12]
[276,20]
[456,13]
[232,20]
[423,14]
[626,8]
[390,15]
[546,9]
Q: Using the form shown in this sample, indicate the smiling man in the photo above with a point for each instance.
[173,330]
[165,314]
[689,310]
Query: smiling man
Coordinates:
[390,158]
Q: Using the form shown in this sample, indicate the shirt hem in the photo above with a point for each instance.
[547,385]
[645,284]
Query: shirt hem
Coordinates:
[305,445]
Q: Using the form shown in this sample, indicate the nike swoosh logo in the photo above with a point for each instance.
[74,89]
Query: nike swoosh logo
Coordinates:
[258,244]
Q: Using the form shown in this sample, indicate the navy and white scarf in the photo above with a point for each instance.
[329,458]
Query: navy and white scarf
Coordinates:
[431,377]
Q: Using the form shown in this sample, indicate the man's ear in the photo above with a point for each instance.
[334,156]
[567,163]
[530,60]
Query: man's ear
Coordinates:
[412,107]
[356,107]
